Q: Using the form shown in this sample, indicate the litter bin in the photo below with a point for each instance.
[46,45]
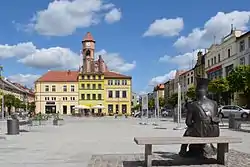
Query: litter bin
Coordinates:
[175,115]
[13,127]
[233,123]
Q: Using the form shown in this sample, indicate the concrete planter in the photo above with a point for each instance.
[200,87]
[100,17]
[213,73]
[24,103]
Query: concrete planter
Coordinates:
[36,122]
[58,122]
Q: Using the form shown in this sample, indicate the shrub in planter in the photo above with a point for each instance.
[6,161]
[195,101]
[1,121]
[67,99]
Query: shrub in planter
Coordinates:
[126,115]
[119,114]
[36,120]
[57,120]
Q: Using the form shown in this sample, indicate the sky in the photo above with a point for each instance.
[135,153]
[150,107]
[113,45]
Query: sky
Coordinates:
[148,39]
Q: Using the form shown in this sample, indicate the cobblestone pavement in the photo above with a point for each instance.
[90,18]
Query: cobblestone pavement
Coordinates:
[234,159]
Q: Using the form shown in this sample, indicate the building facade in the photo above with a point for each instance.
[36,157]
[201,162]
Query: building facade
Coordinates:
[134,99]
[186,80]
[159,89]
[93,86]
[243,49]
[221,58]
[57,91]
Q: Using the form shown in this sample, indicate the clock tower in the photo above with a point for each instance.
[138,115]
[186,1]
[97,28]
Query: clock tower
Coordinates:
[88,46]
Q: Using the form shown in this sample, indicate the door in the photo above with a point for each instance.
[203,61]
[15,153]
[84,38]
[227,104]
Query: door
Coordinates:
[64,109]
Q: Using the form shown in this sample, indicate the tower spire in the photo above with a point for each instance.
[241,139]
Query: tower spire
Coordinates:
[88,37]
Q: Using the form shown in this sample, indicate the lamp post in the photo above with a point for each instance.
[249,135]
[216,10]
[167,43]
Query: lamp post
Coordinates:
[1,70]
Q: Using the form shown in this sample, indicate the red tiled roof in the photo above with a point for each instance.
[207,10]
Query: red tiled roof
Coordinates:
[110,74]
[88,37]
[59,76]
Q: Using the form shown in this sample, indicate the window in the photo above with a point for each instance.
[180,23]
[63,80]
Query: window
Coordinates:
[99,77]
[115,82]
[53,88]
[94,86]
[242,45]
[99,86]
[72,98]
[94,77]
[65,98]
[65,88]
[228,69]
[53,98]
[218,57]
[242,61]
[88,96]
[46,98]
[228,52]
[110,94]
[117,94]
[88,77]
[188,81]
[94,96]
[214,60]
[82,96]
[192,79]
[208,62]
[118,82]
[88,86]
[124,94]
[248,42]
[72,88]
[117,108]
[83,86]
[110,108]
[46,88]
[99,96]
[124,108]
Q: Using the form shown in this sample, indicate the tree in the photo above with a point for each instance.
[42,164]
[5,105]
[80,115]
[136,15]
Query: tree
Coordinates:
[173,100]
[9,100]
[151,103]
[31,106]
[161,102]
[219,87]
[239,81]
[191,93]
[137,107]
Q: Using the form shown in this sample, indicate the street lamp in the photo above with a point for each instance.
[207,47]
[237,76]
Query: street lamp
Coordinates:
[1,70]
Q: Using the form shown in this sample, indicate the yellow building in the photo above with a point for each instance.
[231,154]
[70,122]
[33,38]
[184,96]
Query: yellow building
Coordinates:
[118,93]
[109,91]
[57,91]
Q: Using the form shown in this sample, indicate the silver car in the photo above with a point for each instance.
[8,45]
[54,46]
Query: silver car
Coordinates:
[239,112]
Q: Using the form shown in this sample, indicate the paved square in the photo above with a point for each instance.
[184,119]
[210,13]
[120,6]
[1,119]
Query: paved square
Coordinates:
[76,142]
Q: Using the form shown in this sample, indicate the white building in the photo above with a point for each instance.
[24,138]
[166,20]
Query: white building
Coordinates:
[222,58]
[243,49]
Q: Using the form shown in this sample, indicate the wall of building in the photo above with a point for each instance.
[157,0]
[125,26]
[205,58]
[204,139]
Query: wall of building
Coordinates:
[91,91]
[58,98]
[118,103]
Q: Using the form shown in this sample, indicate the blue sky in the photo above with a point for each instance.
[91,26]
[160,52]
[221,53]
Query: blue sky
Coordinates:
[148,40]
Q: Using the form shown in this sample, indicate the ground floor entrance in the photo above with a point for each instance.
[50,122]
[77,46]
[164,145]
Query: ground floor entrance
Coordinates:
[50,109]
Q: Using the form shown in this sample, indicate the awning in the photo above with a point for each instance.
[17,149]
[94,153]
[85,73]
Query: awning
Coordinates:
[82,107]
[98,107]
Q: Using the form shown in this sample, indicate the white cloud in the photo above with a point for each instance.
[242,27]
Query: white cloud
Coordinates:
[113,15]
[217,26]
[115,62]
[165,27]
[30,55]
[19,50]
[183,61]
[63,17]
[162,79]
[24,79]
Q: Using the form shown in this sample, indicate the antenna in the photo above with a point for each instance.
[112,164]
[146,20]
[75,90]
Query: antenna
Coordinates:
[214,39]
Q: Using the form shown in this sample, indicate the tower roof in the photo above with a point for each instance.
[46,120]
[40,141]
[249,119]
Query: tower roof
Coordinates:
[88,37]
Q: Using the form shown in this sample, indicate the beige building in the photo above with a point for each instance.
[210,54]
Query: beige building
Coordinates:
[220,58]
[57,91]
[186,81]
[243,49]
[160,90]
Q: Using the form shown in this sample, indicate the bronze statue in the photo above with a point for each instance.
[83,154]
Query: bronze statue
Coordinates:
[201,120]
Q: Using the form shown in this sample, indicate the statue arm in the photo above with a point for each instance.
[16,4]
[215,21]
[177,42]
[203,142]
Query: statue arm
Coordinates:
[189,117]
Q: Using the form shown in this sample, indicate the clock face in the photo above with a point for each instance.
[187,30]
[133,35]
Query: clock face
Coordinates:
[88,44]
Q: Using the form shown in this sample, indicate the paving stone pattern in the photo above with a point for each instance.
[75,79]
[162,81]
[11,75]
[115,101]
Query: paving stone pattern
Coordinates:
[234,159]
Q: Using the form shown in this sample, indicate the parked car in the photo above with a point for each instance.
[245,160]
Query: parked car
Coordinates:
[239,112]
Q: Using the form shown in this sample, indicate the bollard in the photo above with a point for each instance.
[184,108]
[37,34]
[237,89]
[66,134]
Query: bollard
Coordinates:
[13,127]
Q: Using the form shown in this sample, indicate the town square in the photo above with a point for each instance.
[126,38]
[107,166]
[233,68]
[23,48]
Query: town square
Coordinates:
[100,83]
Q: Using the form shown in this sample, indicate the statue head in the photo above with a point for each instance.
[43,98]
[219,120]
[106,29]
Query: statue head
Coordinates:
[201,87]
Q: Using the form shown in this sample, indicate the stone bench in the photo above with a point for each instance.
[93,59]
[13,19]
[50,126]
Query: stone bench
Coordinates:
[222,144]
